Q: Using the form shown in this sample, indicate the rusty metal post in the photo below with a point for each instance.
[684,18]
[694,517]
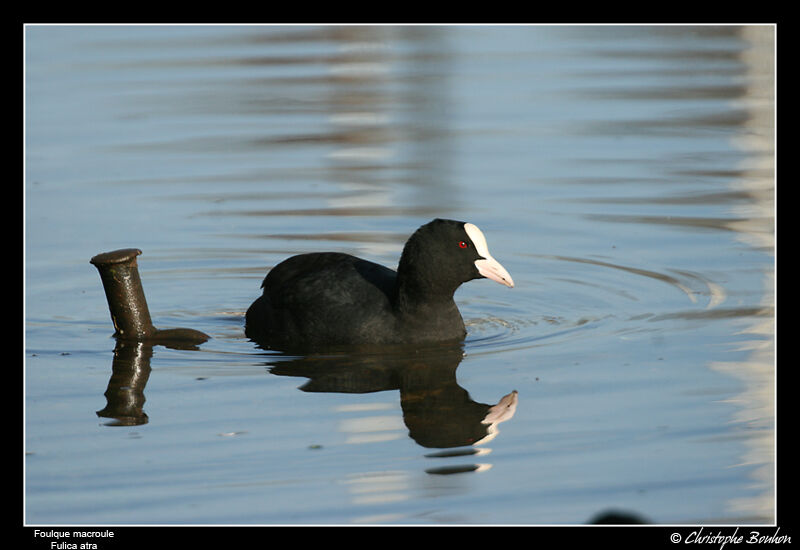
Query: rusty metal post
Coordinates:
[119,272]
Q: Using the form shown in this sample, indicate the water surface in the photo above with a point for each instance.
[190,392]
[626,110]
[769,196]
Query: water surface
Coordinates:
[623,175]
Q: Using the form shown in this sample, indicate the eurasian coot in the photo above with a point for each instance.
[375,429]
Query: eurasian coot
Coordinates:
[329,299]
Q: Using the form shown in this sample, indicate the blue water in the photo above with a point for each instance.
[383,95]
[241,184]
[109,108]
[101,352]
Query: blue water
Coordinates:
[623,175]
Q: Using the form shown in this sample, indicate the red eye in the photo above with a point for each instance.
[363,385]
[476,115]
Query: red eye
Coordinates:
[462,244]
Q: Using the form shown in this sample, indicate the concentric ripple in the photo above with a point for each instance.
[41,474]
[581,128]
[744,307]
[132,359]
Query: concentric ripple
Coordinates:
[571,295]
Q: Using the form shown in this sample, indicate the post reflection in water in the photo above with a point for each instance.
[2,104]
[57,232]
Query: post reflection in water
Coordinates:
[130,371]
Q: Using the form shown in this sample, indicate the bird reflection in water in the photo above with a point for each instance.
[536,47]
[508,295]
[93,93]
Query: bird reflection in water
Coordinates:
[438,413]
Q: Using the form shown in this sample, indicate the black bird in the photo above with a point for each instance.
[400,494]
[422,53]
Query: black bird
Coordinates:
[325,300]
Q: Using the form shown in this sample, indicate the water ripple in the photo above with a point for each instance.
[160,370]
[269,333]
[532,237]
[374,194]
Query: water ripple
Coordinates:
[556,307]
[691,284]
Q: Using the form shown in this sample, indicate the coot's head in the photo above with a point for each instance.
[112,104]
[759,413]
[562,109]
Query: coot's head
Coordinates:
[442,254]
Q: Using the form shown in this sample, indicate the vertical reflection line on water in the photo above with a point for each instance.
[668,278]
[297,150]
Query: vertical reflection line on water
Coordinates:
[359,105]
[386,98]
[359,100]
[756,138]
